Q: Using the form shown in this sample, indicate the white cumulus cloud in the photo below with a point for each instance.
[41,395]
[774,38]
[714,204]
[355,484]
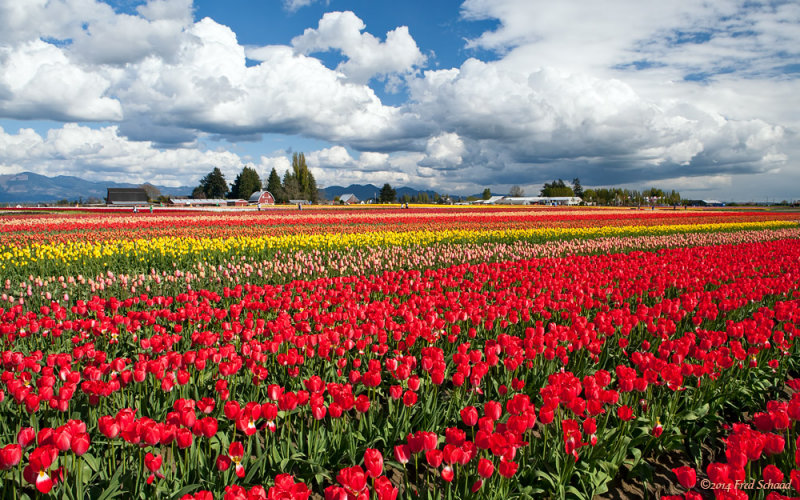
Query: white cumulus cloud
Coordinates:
[37,80]
[367,56]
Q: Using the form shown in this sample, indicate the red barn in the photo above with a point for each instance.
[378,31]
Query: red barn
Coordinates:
[262,197]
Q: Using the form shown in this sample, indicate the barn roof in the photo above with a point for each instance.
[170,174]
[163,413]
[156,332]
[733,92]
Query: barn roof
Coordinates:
[126,195]
[257,195]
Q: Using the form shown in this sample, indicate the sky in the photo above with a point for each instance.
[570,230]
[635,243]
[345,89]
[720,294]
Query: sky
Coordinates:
[453,96]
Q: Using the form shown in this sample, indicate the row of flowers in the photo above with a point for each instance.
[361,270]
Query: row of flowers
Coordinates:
[551,369]
[37,291]
[34,227]
[165,253]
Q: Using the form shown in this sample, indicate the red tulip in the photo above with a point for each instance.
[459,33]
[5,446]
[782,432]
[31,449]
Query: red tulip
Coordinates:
[373,461]
[108,426]
[774,444]
[469,416]
[476,486]
[658,429]
[772,474]
[184,438]
[362,403]
[335,410]
[485,468]
[232,410]
[434,458]
[62,439]
[208,426]
[152,462]
[507,468]
[206,405]
[353,480]
[334,492]
[687,476]
[402,453]
[447,473]
[625,413]
[80,444]
[10,456]
[396,391]
[385,489]
[38,467]
[236,454]
[26,436]
[223,462]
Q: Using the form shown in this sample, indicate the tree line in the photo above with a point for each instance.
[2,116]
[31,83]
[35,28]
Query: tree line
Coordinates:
[298,184]
[611,196]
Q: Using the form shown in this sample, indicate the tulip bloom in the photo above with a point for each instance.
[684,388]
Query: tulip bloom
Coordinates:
[469,416]
[80,444]
[625,413]
[687,476]
[402,453]
[10,456]
[37,471]
[507,468]
[236,453]
[658,429]
[153,464]
[485,468]
[373,462]
[384,489]
[353,480]
[26,436]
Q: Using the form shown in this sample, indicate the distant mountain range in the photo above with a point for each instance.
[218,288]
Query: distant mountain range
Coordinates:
[370,191]
[28,187]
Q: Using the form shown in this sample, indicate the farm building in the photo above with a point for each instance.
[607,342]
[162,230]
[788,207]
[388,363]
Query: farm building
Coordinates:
[520,200]
[562,200]
[348,199]
[126,196]
[533,200]
[706,203]
[491,201]
[262,198]
[208,202]
[300,202]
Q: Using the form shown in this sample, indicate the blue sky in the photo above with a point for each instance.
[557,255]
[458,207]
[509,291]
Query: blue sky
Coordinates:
[453,96]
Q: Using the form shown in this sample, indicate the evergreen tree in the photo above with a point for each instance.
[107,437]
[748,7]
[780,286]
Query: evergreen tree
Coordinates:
[274,187]
[214,185]
[291,187]
[312,192]
[388,194]
[577,188]
[306,184]
[246,183]
[487,193]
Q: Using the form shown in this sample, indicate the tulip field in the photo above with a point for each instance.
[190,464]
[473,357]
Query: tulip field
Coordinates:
[378,353]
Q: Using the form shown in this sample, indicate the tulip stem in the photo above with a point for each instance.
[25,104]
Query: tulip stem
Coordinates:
[79,474]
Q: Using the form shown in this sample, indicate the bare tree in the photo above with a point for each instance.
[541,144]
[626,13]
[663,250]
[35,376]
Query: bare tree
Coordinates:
[152,192]
[516,191]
